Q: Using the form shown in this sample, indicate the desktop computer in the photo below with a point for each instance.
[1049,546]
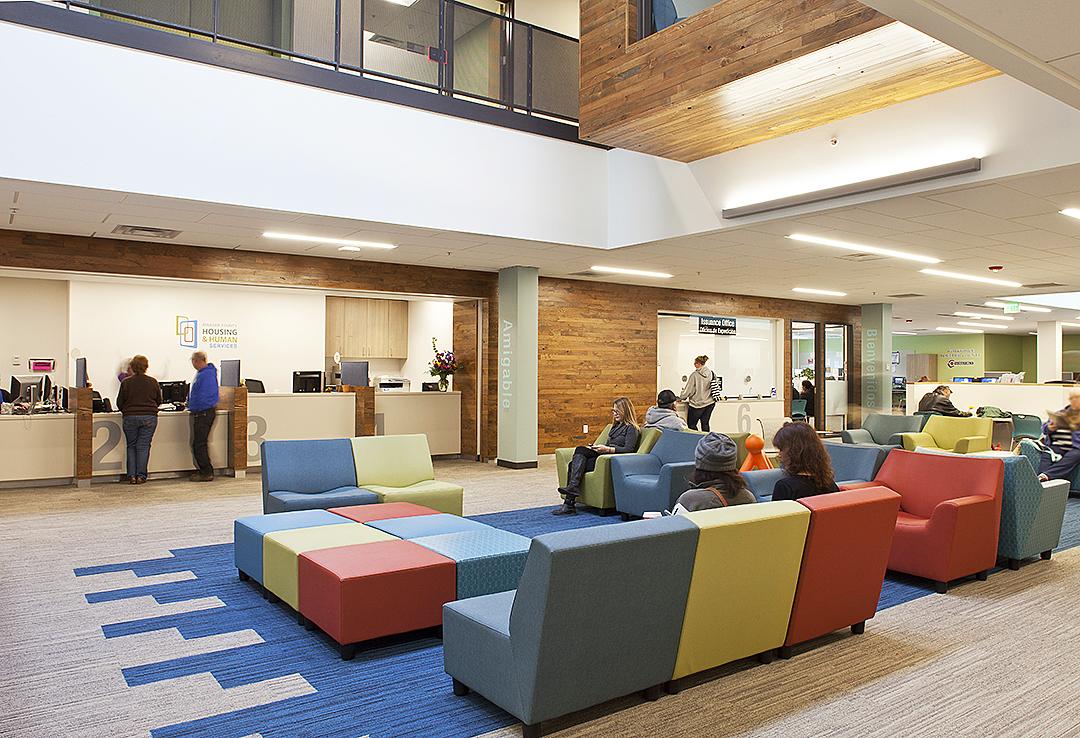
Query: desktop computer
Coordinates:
[355,373]
[307,381]
[30,387]
[230,373]
[81,379]
[174,393]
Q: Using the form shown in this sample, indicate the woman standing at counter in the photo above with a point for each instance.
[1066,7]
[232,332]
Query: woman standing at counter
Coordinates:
[698,395]
[138,400]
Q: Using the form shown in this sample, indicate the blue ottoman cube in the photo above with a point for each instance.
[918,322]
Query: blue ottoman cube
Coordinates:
[488,561]
[419,526]
[248,535]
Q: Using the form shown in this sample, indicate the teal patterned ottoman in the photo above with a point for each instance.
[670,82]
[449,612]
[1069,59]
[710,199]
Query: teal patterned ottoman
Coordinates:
[488,561]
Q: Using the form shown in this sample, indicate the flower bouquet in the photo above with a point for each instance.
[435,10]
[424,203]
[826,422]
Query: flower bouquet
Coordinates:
[442,366]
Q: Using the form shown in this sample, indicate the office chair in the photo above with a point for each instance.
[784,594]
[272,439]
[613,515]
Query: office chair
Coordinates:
[254,385]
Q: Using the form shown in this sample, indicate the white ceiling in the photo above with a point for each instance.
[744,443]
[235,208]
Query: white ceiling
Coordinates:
[1012,222]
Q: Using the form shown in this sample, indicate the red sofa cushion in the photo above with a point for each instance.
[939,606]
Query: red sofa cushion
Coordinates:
[382,511]
[367,590]
[926,480]
[844,560]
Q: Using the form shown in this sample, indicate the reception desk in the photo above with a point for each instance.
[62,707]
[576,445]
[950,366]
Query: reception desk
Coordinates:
[435,414]
[741,416]
[37,448]
[170,452]
[300,416]
[1029,399]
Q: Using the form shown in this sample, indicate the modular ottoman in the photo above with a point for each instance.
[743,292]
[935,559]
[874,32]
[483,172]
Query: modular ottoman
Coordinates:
[367,571]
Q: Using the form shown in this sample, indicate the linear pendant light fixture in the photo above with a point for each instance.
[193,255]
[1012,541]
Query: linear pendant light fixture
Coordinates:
[970,277]
[630,272]
[345,243]
[814,291]
[988,316]
[966,166]
[863,249]
[944,329]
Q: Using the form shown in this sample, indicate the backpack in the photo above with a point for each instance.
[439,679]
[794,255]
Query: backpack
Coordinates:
[990,411]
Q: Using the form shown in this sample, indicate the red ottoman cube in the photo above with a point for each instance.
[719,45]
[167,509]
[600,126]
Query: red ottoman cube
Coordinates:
[364,591]
[381,511]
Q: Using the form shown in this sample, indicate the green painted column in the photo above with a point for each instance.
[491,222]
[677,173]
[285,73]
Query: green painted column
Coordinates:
[876,358]
[518,361]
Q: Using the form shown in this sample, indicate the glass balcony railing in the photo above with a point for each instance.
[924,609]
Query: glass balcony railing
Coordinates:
[444,46]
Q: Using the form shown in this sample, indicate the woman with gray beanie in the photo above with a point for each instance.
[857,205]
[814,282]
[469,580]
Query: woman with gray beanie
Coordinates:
[716,480]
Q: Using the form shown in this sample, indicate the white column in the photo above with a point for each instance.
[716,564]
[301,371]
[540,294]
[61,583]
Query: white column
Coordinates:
[518,358]
[1048,352]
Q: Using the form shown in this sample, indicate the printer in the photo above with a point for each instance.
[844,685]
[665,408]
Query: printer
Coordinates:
[386,383]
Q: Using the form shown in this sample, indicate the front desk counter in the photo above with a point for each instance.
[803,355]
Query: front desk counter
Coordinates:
[435,414]
[37,448]
[740,416]
[298,416]
[170,451]
[1027,399]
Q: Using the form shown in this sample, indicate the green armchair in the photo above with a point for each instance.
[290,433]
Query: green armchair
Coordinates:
[958,435]
[598,490]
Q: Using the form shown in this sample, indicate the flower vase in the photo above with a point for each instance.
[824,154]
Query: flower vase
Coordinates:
[444,384]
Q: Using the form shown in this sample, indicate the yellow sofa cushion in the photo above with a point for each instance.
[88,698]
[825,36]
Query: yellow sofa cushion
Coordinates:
[442,496]
[745,572]
[947,431]
[282,548]
[392,461]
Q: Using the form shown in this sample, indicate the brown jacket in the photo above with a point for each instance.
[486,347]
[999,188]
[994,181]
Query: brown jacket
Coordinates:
[139,394]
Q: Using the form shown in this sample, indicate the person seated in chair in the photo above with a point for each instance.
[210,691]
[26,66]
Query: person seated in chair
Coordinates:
[1060,447]
[938,402]
[622,439]
[663,415]
[807,468]
[716,479]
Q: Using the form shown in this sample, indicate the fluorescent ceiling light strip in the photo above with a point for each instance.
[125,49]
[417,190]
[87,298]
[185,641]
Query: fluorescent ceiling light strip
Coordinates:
[970,277]
[988,316]
[1026,308]
[862,248]
[630,272]
[982,325]
[904,333]
[1071,212]
[332,241]
[857,188]
[955,330]
[813,291]
[1070,325]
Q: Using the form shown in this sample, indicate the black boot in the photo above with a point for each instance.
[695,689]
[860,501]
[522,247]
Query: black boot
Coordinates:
[568,507]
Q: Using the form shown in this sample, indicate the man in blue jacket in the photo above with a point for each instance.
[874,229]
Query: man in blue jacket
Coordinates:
[202,404]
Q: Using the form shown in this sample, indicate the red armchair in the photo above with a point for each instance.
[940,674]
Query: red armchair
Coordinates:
[950,513]
[843,565]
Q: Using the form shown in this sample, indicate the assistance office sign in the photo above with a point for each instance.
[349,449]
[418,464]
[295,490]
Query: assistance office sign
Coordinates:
[716,326]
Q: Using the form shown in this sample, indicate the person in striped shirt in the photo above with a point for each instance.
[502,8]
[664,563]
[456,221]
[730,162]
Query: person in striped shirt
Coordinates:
[1061,441]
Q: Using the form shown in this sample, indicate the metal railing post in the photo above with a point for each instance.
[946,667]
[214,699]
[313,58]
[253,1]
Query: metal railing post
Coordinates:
[529,75]
[360,61]
[337,34]
[446,39]
[215,9]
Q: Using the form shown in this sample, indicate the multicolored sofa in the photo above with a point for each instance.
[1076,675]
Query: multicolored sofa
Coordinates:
[944,433]
[725,591]
[597,489]
[340,472]
[950,514]
[852,463]
[367,571]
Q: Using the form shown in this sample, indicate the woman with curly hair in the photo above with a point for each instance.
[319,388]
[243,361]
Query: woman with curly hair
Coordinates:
[807,468]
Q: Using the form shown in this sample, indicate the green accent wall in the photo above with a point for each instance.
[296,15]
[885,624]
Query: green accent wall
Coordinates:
[955,347]
[993,353]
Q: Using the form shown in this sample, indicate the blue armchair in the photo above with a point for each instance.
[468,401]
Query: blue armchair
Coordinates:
[883,430]
[653,481]
[1031,512]
[593,618]
[852,462]
[310,475]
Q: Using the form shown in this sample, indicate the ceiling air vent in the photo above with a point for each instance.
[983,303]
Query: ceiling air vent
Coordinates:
[859,257]
[1042,285]
[906,294]
[145,231]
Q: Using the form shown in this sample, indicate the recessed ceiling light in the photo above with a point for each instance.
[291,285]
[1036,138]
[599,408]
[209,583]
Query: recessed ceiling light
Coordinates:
[955,330]
[348,248]
[1070,325]
[1071,212]
[904,333]
[982,324]
[630,272]
[812,291]
[357,245]
[970,277]
[988,316]
[1033,333]
[1025,308]
[863,248]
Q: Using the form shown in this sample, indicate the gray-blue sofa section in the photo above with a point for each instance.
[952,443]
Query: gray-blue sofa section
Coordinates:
[593,618]
[310,475]
[884,430]
[654,481]
[852,462]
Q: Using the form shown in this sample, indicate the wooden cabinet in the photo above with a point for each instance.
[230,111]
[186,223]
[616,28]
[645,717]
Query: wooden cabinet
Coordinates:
[363,328]
[922,365]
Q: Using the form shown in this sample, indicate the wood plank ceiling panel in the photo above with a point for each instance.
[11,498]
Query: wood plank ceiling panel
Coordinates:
[745,71]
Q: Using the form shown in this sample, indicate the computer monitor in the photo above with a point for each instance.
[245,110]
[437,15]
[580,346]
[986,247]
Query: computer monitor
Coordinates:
[174,392]
[962,379]
[255,385]
[230,372]
[307,381]
[898,382]
[81,379]
[21,387]
[354,373]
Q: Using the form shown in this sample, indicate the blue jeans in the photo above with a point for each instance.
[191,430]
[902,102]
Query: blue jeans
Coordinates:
[139,431]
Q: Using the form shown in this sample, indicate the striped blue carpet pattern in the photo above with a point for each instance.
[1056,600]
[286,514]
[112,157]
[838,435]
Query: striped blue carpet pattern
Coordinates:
[395,687]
